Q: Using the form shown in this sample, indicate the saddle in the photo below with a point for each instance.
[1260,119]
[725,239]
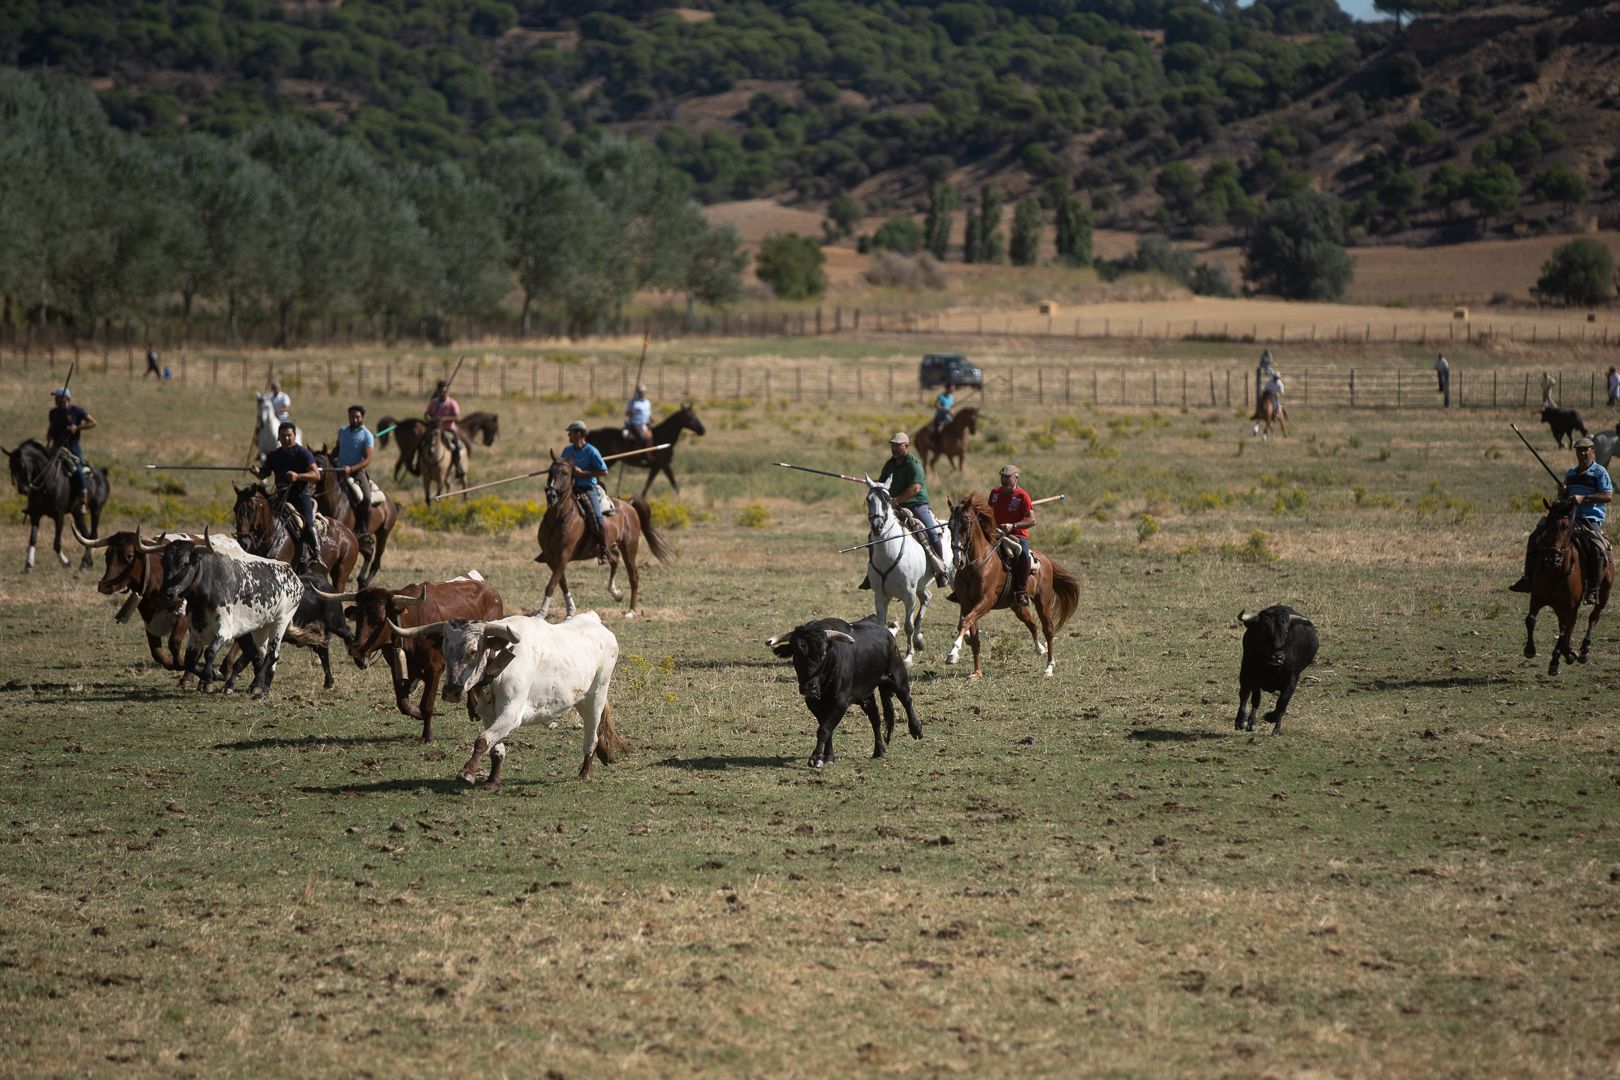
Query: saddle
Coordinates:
[295,521]
[378,496]
[1009,550]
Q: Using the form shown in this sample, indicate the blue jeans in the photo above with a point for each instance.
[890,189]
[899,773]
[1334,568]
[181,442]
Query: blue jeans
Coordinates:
[308,542]
[925,514]
[593,498]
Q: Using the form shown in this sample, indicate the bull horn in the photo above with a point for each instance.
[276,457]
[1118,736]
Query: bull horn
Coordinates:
[839,635]
[503,633]
[1245,618]
[1294,617]
[416,631]
[407,600]
[80,537]
[145,548]
[208,541]
[342,598]
[778,641]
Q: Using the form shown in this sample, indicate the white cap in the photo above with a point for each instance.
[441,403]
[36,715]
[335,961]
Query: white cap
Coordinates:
[899,437]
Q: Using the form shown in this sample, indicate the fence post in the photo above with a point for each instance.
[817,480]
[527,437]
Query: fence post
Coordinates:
[1397,388]
[1156,371]
[1094,386]
[1493,388]
[1352,388]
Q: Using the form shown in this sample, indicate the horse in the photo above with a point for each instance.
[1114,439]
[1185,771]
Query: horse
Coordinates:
[983,584]
[612,440]
[1269,411]
[1555,582]
[332,502]
[564,536]
[408,432]
[482,425]
[952,441]
[46,481]
[260,531]
[265,438]
[897,568]
[436,459]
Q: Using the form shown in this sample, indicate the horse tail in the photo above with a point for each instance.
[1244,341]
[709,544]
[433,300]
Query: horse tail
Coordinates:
[1066,591]
[655,541]
[383,425]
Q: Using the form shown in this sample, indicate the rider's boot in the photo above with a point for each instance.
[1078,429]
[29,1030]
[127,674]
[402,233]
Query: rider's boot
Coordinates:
[866,583]
[1523,584]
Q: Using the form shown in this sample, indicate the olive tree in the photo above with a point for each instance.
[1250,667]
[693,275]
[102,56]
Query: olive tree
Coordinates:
[1297,249]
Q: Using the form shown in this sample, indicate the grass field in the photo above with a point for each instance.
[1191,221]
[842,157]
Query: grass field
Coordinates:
[1088,874]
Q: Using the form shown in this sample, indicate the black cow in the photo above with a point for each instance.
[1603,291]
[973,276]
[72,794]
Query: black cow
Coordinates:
[840,664]
[1563,422]
[1278,645]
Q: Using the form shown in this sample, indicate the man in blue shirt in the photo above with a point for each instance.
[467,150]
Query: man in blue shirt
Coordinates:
[356,446]
[63,425]
[586,466]
[943,404]
[293,468]
[1588,486]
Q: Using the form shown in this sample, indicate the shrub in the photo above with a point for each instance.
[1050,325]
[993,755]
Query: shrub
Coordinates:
[899,234]
[754,515]
[484,515]
[669,513]
[891,269]
[1147,528]
[792,266]
[1580,272]
[1254,550]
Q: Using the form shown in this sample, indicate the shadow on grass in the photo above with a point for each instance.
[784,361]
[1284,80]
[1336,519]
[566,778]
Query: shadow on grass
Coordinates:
[116,693]
[717,764]
[449,785]
[722,665]
[1437,683]
[1154,734]
[306,741]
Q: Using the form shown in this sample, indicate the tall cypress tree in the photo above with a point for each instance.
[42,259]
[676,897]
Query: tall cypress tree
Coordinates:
[970,237]
[942,201]
[1026,233]
[992,249]
[1073,232]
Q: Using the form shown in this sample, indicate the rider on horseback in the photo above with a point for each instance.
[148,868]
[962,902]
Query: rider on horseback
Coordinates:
[355,449]
[62,434]
[638,417]
[280,403]
[293,468]
[442,412]
[1588,486]
[904,473]
[943,404]
[585,464]
[1014,512]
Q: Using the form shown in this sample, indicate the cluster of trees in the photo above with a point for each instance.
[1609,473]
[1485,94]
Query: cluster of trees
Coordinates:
[286,223]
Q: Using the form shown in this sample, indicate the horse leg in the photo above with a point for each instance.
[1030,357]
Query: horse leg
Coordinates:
[973,641]
[1044,606]
[33,539]
[1597,610]
[1530,629]
[56,544]
[924,594]
[568,598]
[627,551]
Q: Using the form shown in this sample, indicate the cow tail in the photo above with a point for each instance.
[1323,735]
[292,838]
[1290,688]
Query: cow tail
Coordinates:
[655,541]
[1066,590]
[608,744]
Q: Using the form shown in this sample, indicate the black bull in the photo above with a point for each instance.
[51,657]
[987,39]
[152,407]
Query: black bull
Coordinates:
[839,664]
[1278,645]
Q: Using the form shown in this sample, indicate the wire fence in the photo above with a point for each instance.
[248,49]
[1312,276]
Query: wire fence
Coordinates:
[571,379]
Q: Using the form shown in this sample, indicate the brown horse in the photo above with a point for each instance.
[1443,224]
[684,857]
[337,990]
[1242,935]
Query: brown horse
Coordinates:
[330,501]
[1269,411]
[483,426]
[1556,582]
[983,584]
[437,462]
[564,537]
[612,440]
[260,531]
[407,433]
[952,442]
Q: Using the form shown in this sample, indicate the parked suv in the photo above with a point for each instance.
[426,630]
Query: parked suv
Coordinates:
[941,368]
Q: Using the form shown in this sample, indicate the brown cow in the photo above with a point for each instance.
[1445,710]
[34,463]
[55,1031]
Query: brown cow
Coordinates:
[140,574]
[418,604]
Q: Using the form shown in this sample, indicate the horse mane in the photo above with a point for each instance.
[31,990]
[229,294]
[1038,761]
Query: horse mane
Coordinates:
[977,506]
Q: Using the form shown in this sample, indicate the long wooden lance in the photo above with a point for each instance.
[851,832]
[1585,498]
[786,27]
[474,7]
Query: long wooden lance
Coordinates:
[1556,478]
[67,382]
[821,472]
[922,532]
[200,468]
[646,337]
[541,472]
[453,374]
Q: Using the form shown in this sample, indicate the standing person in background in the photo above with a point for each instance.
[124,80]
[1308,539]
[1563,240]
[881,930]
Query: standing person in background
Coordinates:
[1548,385]
[1614,387]
[152,367]
[1442,373]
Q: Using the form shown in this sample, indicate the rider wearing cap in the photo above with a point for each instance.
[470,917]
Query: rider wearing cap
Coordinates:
[586,466]
[63,425]
[356,446]
[1014,513]
[904,474]
[1589,487]
[293,468]
[638,416]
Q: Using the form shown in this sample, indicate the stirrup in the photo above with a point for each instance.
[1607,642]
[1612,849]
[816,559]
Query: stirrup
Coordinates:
[1021,599]
[1522,585]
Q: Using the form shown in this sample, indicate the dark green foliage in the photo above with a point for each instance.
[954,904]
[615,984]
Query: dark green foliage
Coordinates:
[1297,249]
[900,234]
[942,200]
[1492,191]
[1025,246]
[1580,272]
[988,245]
[1559,184]
[1073,232]
[1445,188]
[792,266]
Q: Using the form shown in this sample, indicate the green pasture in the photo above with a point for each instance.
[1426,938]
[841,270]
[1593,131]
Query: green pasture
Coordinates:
[1086,874]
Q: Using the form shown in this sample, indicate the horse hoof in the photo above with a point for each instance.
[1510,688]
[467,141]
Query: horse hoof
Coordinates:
[1529,652]
[1048,671]
[975,676]
[467,777]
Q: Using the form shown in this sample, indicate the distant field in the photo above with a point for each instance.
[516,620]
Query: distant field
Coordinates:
[1092,874]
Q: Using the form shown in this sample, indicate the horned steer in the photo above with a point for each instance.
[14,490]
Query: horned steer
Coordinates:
[230,598]
[840,664]
[1278,644]
[524,668]
[376,611]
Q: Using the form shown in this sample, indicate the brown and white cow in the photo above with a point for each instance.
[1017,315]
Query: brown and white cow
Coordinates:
[414,660]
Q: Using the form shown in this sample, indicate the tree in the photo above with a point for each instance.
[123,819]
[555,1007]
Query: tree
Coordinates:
[844,214]
[1492,191]
[714,275]
[1297,249]
[1580,273]
[1445,188]
[970,236]
[942,200]
[467,244]
[1025,248]
[1560,184]
[900,234]
[792,266]
[992,249]
[1074,232]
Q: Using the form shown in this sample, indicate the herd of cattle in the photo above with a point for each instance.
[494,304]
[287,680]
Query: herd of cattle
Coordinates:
[204,601]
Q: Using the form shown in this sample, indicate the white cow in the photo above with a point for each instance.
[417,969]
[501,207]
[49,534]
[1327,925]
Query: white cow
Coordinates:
[524,668]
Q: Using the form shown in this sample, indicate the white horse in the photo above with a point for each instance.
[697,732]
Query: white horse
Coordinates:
[897,568]
[264,435]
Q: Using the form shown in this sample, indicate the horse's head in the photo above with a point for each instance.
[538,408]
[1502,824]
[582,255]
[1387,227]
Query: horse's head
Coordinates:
[556,479]
[969,418]
[251,513]
[970,515]
[27,463]
[879,507]
[689,419]
[1555,536]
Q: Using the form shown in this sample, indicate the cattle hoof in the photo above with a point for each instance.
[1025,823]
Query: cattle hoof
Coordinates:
[467,777]
[975,676]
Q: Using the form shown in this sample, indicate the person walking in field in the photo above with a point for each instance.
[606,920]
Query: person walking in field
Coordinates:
[62,427]
[1442,374]
[1589,487]
[1614,387]
[1548,385]
[586,466]
[1014,513]
[152,367]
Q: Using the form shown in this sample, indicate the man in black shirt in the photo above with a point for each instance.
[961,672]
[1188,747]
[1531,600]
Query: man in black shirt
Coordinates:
[293,468]
[62,432]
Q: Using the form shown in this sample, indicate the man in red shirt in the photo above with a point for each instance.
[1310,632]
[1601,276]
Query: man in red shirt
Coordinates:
[1014,512]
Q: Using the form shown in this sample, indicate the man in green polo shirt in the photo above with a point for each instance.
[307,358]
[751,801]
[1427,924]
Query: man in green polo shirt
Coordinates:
[904,474]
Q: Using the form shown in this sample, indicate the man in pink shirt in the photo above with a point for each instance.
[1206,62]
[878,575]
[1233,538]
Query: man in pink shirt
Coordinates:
[1014,512]
[442,412]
